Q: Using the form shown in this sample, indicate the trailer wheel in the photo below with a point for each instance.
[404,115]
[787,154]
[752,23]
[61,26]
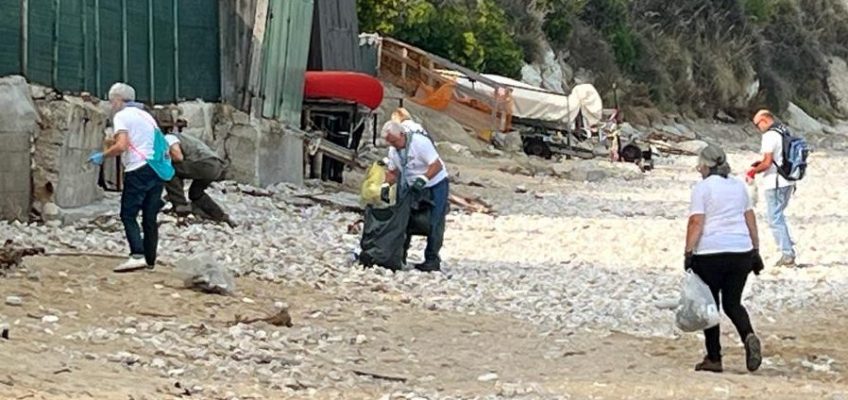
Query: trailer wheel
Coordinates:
[631,153]
[538,148]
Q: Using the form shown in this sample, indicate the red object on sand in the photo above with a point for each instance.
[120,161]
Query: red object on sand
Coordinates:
[351,86]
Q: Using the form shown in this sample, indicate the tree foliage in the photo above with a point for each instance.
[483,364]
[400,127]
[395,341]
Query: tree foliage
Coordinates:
[474,34]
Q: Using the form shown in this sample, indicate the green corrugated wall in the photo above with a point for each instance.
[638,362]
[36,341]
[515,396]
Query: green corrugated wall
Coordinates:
[286,49]
[86,45]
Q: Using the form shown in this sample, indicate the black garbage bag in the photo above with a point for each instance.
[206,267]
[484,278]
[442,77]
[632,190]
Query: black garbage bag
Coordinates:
[384,234]
[419,218]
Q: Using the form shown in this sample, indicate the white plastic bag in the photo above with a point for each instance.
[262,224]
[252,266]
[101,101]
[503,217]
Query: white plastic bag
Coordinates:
[202,273]
[697,310]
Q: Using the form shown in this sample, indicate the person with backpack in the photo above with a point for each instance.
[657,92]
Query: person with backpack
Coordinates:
[783,163]
[415,165]
[143,151]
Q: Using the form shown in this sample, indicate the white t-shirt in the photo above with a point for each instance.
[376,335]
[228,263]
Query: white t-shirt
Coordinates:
[140,127]
[421,154]
[773,143]
[723,202]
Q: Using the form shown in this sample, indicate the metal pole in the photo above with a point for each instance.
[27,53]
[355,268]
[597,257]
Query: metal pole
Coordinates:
[176,52]
[84,48]
[24,36]
[56,15]
[125,50]
[150,50]
[97,76]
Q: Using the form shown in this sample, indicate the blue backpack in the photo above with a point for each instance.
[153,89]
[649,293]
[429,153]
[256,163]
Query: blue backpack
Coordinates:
[795,152]
[160,161]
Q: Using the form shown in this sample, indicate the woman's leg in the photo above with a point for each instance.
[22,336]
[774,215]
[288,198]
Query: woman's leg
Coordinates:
[737,268]
[706,268]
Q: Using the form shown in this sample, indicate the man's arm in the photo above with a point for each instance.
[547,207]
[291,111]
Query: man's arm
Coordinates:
[122,143]
[391,177]
[176,152]
[433,169]
[765,164]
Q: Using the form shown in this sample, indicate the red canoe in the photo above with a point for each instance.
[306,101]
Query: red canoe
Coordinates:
[351,86]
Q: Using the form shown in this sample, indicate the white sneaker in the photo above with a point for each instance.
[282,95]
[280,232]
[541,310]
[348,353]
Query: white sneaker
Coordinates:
[132,264]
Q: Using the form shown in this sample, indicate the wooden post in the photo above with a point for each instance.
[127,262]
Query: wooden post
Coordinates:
[432,68]
[404,55]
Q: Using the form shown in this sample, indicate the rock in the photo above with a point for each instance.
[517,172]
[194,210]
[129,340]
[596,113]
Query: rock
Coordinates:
[723,117]
[360,339]
[676,132]
[123,357]
[531,74]
[838,82]
[801,122]
[561,170]
[49,319]
[520,189]
[14,301]
[509,142]
[488,377]
[691,146]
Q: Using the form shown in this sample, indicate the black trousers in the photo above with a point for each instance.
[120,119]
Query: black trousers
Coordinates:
[142,193]
[202,173]
[725,274]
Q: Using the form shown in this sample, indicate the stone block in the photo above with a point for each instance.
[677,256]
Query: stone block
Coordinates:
[17,111]
[72,130]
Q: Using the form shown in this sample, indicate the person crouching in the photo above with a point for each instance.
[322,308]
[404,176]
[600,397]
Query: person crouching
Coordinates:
[194,160]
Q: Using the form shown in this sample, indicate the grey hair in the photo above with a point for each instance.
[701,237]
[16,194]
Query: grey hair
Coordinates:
[713,157]
[122,91]
[391,128]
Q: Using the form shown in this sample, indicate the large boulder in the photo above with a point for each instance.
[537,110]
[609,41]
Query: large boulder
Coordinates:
[838,81]
[71,130]
[261,152]
[801,122]
[199,117]
[18,123]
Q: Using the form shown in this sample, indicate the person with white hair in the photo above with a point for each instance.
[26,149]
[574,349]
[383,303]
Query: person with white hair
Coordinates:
[722,249]
[414,164]
[134,134]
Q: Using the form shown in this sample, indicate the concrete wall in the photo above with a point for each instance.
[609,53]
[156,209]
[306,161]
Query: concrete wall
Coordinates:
[71,130]
[261,152]
[18,122]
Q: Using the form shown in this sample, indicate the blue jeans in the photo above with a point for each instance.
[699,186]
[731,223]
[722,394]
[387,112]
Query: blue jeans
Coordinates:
[142,192]
[439,194]
[776,201]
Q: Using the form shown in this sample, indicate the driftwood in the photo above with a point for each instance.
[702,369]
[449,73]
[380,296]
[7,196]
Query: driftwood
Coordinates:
[11,256]
[380,376]
[281,318]
[670,148]
[471,204]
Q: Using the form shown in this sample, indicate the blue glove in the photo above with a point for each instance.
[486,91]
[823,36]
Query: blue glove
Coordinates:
[420,183]
[96,158]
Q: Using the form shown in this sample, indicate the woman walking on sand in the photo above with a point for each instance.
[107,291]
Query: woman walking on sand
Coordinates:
[722,248]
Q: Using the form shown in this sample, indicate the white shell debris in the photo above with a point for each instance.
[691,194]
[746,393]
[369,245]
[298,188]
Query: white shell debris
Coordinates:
[602,256]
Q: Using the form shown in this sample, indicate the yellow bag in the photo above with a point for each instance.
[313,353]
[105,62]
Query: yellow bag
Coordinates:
[374,179]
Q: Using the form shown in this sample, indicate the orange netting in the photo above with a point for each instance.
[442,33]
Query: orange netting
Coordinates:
[437,99]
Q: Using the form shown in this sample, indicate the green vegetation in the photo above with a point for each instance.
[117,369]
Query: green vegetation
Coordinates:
[474,34]
[688,56]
